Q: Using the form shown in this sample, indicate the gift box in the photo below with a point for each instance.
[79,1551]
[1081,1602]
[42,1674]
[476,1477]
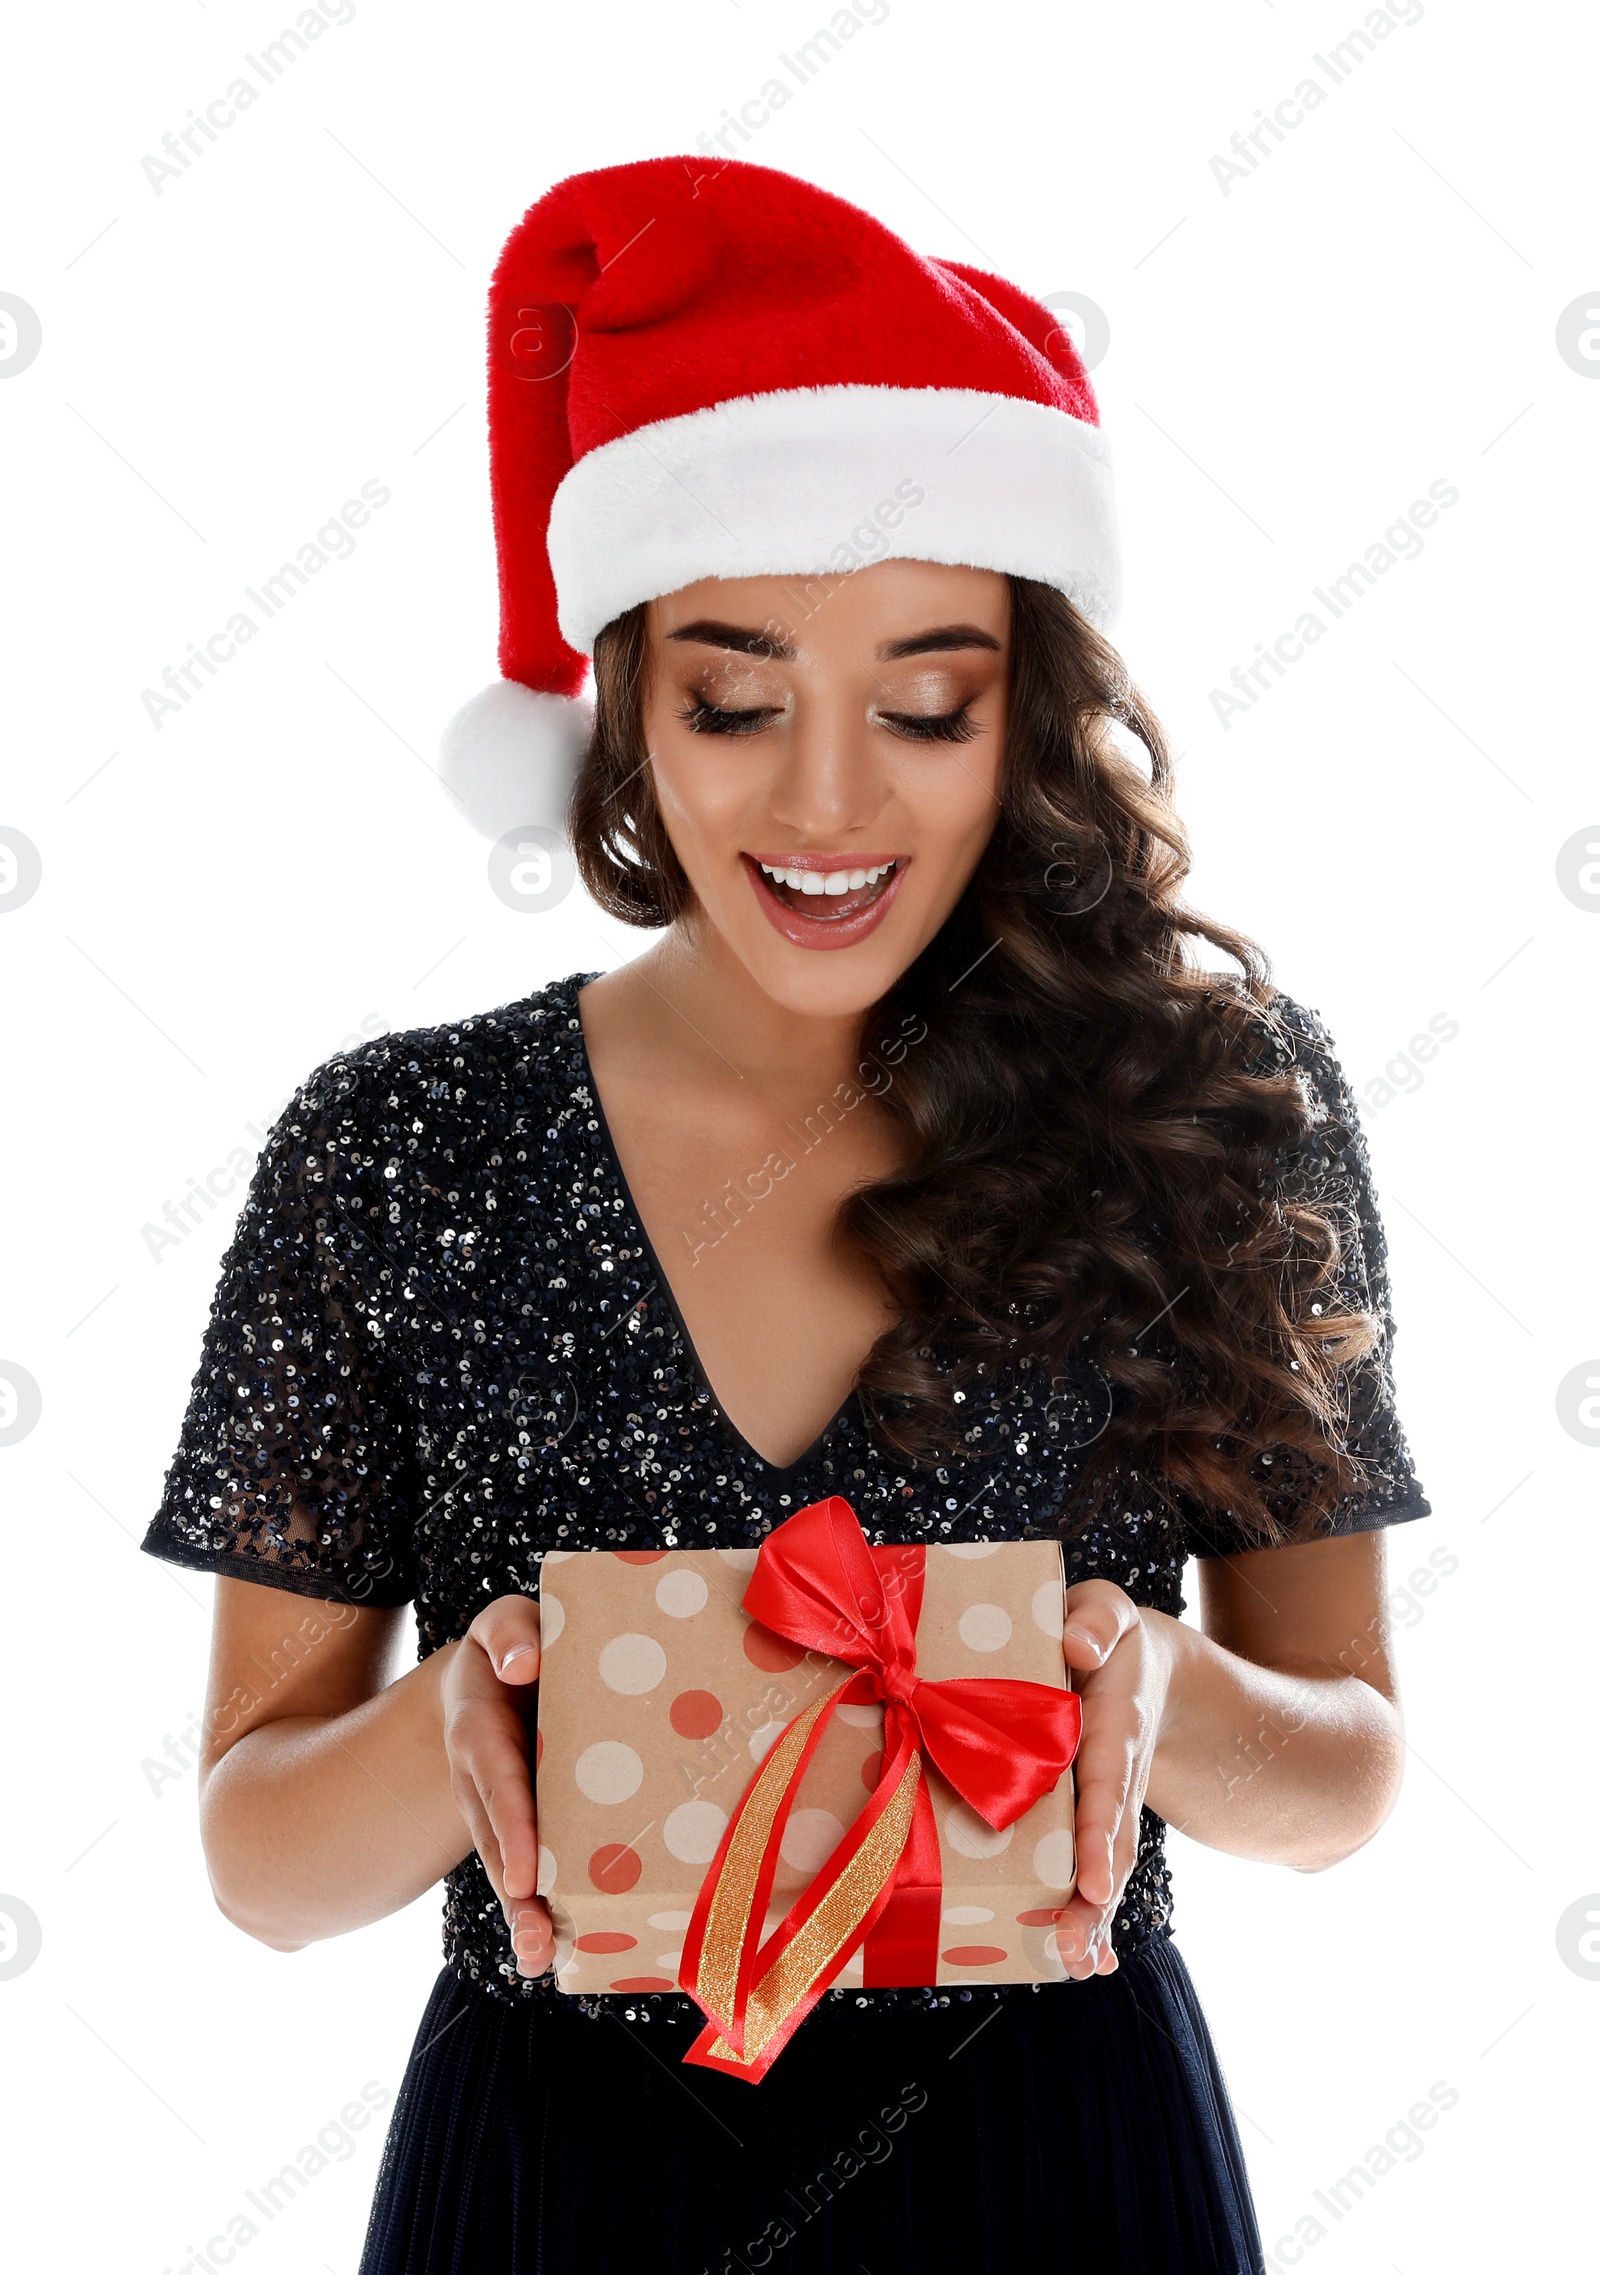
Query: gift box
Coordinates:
[759,1776]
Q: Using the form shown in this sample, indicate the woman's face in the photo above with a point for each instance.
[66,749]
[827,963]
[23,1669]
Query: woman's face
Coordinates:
[846,733]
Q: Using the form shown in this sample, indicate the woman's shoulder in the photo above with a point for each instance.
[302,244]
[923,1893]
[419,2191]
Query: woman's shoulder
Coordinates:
[1282,1035]
[450,1084]
[1329,1165]
[1301,1044]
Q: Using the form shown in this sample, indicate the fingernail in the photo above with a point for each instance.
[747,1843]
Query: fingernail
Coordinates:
[517,1651]
[1093,1642]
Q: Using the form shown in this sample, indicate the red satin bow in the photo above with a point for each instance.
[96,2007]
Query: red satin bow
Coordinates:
[1001,1744]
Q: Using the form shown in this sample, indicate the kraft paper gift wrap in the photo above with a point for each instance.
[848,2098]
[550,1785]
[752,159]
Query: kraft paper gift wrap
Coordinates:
[659,1697]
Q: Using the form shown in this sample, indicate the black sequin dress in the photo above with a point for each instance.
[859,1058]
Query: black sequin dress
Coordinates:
[442,1345]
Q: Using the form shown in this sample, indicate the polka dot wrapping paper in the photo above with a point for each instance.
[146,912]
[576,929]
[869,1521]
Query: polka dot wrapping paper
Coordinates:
[660,1697]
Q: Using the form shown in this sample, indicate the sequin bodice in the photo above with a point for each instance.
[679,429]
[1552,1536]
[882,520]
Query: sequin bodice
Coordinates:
[441,1345]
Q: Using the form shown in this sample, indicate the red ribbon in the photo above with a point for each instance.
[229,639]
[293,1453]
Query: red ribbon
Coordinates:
[1002,1744]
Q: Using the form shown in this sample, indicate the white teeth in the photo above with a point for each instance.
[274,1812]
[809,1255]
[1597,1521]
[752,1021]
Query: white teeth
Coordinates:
[833,881]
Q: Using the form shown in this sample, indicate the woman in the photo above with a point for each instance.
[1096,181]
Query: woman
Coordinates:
[917,1161]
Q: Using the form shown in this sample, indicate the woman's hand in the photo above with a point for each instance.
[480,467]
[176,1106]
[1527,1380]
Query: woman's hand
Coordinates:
[1122,1665]
[483,1698]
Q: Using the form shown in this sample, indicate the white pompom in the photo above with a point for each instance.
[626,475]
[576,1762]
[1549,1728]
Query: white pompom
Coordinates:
[510,756]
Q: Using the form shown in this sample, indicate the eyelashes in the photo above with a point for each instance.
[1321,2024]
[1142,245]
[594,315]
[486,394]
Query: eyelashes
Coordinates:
[956,726]
[702,718]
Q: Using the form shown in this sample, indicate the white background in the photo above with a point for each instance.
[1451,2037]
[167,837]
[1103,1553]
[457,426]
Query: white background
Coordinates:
[1292,361]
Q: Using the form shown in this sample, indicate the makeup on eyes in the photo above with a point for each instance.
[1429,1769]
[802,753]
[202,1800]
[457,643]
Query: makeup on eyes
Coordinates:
[956,726]
[926,706]
[929,691]
[736,683]
[930,706]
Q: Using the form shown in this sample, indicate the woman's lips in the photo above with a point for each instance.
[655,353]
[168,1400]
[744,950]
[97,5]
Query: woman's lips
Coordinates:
[841,919]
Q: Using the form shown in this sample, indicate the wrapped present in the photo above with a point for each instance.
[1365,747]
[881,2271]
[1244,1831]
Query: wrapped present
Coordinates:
[762,1775]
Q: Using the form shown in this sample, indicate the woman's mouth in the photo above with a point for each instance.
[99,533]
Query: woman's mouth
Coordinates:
[824,903]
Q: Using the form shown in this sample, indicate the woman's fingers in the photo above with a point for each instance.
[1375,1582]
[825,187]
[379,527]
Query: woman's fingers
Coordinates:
[1099,1615]
[1101,1959]
[1104,1769]
[488,1735]
[532,1936]
[493,1748]
[508,1632]
[1083,1932]
[486,1740]
[1079,1926]
[1102,1644]
[462,1746]
[476,1818]
[1104,1639]
[495,1797]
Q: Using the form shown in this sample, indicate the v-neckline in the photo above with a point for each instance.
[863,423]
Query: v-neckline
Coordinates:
[608,1149]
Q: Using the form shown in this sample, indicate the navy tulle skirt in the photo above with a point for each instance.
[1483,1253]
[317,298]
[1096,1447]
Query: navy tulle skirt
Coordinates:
[1084,2127]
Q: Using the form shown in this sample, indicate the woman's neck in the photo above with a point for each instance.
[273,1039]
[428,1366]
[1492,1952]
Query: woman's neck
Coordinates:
[689,1008]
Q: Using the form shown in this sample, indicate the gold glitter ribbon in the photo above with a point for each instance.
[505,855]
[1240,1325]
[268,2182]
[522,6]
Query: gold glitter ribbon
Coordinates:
[728,1921]
[816,1946]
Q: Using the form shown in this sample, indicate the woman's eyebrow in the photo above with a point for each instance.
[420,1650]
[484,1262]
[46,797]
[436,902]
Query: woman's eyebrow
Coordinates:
[763,641]
[946,637]
[707,633]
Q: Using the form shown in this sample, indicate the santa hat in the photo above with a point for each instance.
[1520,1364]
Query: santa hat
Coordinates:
[700,369]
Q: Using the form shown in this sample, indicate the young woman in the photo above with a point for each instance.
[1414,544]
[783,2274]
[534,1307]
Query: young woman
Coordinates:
[1056,1233]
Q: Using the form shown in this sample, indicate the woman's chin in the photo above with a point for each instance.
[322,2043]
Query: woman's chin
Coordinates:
[835,985]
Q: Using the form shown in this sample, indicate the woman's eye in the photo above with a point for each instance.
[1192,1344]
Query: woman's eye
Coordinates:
[956,726]
[703,718]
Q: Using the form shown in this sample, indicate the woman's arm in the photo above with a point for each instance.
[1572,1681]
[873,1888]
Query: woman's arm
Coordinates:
[1275,1733]
[329,1797]
[1282,1737]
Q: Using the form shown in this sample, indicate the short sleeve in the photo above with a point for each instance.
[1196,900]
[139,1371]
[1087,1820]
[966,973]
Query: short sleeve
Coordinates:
[295,1464]
[1329,1169]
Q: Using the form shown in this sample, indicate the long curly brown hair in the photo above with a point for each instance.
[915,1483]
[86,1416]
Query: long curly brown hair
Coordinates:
[1096,1121]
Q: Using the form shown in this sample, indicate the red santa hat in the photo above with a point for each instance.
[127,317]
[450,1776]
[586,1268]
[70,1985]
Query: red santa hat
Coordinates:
[699,369]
